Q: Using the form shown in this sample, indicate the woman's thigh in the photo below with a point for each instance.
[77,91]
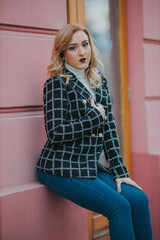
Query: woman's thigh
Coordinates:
[92,194]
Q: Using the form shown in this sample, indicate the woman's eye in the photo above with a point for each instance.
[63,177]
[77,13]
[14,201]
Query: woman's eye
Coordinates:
[85,44]
[72,48]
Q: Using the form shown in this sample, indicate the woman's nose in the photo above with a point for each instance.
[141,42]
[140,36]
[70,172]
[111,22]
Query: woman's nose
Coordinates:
[81,51]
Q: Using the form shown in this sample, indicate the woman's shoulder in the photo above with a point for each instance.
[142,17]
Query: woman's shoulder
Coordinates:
[55,80]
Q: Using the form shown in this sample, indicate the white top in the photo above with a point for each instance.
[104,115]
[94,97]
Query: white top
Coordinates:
[80,75]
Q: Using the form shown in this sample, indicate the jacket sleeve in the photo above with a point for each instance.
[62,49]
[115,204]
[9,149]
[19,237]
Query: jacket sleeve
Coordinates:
[111,143]
[56,109]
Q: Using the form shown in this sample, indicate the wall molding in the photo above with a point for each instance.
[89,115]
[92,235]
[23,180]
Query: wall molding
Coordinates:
[24,29]
[16,109]
[151,41]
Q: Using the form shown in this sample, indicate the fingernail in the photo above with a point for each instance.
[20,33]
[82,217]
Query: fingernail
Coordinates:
[90,97]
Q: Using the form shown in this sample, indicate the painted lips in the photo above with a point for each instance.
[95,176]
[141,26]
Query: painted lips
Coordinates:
[82,60]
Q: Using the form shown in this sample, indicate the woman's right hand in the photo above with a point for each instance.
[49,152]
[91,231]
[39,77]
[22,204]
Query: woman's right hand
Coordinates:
[98,106]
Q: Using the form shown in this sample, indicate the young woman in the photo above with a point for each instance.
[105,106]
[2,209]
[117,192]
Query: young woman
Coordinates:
[81,131]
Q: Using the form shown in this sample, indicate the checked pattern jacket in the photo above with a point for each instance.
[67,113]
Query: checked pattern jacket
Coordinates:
[76,131]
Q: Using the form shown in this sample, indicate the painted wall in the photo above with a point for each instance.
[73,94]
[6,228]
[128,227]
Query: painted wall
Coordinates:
[143,20]
[27,209]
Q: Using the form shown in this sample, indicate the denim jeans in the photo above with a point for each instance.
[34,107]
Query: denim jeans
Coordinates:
[127,212]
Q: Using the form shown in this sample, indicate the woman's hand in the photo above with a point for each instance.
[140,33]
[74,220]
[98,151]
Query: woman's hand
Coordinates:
[98,106]
[127,181]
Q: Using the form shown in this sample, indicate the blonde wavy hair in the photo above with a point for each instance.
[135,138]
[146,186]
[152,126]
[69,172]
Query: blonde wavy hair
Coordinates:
[61,43]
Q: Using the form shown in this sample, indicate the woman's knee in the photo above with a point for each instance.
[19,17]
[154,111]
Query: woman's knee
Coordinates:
[140,202]
[143,199]
[125,206]
[122,207]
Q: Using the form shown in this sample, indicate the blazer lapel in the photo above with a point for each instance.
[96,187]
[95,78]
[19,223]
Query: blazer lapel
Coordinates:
[78,86]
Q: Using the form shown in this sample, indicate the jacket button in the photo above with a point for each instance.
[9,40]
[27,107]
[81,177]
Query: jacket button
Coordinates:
[84,101]
[100,135]
[93,135]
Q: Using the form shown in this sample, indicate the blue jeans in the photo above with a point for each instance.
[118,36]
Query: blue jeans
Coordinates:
[128,211]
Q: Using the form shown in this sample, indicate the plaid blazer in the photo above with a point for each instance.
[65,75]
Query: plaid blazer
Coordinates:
[77,132]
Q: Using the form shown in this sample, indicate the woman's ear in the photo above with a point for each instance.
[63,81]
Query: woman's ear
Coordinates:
[62,56]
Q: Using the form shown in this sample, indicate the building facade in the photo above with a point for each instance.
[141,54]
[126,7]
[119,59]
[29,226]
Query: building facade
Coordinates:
[27,29]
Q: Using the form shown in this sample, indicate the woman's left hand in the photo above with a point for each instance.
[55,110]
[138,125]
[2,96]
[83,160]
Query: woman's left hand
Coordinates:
[127,181]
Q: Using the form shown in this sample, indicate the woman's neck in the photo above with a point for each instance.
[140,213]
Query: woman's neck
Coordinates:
[79,73]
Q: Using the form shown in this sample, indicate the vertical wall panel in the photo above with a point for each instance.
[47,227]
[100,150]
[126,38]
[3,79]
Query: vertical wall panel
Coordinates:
[21,141]
[153,126]
[152,69]
[136,76]
[151,19]
[143,19]
[38,13]
[23,65]
[151,23]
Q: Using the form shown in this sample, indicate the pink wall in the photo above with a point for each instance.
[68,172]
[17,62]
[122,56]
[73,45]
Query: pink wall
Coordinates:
[143,20]
[28,210]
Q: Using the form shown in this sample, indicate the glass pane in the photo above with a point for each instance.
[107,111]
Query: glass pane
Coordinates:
[101,21]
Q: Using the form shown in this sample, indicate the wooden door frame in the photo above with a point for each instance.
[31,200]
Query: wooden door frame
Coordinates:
[76,11]
[124,83]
